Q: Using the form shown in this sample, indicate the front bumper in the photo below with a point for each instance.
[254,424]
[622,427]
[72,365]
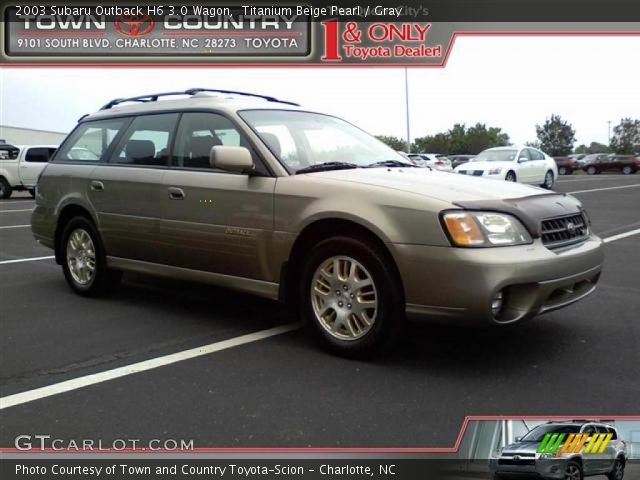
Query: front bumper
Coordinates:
[542,469]
[457,284]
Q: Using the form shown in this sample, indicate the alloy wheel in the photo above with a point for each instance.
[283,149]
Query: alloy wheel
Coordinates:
[619,470]
[344,298]
[572,473]
[510,177]
[81,257]
[548,180]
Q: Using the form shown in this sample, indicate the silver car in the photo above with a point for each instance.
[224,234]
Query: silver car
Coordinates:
[585,449]
[263,196]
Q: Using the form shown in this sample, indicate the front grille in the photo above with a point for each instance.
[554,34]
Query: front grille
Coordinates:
[521,462]
[561,231]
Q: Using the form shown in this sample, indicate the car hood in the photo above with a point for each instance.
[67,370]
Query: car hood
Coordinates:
[529,204]
[522,447]
[484,165]
[443,186]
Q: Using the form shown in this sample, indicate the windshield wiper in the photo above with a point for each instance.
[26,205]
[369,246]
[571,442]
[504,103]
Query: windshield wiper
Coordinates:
[391,163]
[327,166]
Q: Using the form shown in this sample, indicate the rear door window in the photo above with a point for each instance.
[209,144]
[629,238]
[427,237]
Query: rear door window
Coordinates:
[146,141]
[39,154]
[90,140]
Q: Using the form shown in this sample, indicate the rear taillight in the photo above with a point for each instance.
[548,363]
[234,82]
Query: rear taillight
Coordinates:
[439,162]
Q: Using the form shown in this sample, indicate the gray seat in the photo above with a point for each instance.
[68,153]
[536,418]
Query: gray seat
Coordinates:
[140,152]
[200,151]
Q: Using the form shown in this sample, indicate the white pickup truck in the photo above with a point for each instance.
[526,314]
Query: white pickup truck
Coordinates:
[20,166]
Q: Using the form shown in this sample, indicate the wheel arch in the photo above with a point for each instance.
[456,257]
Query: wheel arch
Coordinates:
[316,231]
[68,212]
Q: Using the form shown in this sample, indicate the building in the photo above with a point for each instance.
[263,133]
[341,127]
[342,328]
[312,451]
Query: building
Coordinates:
[29,136]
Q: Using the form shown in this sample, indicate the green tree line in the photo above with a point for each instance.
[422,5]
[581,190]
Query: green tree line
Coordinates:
[555,136]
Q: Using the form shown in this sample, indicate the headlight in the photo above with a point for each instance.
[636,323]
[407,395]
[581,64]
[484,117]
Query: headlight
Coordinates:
[495,171]
[547,456]
[485,229]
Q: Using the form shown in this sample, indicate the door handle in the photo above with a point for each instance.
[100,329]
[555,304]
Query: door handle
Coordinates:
[97,186]
[176,193]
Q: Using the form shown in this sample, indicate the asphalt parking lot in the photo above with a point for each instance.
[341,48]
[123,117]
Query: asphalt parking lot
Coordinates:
[282,391]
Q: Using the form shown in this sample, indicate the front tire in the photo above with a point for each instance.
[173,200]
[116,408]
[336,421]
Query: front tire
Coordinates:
[84,261]
[511,176]
[5,188]
[573,472]
[591,170]
[627,170]
[352,298]
[562,171]
[548,180]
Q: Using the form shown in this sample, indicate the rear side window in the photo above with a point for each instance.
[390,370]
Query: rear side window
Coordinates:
[90,140]
[613,432]
[146,141]
[39,154]
[8,152]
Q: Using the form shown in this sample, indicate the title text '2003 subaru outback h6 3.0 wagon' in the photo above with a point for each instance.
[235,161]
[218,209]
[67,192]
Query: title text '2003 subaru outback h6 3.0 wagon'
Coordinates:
[259,195]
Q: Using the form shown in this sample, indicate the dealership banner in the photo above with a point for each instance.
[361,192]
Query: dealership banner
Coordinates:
[287,34]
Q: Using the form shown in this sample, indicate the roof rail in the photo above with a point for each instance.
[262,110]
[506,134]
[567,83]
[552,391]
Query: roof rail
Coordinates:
[192,91]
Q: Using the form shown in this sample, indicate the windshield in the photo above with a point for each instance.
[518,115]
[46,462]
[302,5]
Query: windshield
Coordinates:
[302,139]
[496,156]
[538,433]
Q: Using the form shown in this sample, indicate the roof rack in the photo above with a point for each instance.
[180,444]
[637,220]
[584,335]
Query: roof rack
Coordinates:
[192,91]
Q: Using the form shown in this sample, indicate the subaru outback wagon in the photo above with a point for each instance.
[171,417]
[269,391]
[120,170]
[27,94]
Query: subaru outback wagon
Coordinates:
[263,196]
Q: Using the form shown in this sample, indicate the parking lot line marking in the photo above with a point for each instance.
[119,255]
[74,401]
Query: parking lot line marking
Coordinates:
[594,177]
[20,260]
[605,188]
[14,226]
[620,236]
[22,210]
[87,380]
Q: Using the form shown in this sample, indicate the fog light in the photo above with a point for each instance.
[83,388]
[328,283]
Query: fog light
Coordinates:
[496,304]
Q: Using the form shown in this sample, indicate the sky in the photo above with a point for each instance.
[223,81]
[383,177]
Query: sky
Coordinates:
[508,82]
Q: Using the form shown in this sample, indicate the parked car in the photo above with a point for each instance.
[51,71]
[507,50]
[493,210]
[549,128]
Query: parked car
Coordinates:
[260,195]
[586,161]
[513,164]
[20,167]
[457,160]
[626,164]
[566,165]
[522,458]
[437,161]
[577,158]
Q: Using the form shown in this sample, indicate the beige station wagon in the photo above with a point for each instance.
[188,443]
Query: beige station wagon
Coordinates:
[252,193]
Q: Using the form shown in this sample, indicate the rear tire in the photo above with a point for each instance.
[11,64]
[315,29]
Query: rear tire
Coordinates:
[5,188]
[562,171]
[511,176]
[84,261]
[351,297]
[617,472]
[591,170]
[627,170]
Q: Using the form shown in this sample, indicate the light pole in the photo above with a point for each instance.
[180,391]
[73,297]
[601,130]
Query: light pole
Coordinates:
[406,97]
[609,130]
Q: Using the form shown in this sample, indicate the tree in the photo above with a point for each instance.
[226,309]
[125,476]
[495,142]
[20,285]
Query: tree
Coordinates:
[595,147]
[393,142]
[556,136]
[460,140]
[626,136]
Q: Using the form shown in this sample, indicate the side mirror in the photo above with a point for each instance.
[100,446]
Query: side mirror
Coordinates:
[522,160]
[232,159]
